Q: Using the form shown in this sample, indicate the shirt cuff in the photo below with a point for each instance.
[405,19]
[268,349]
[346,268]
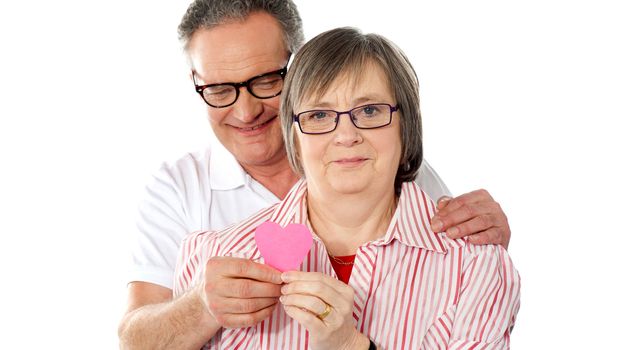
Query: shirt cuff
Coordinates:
[152,274]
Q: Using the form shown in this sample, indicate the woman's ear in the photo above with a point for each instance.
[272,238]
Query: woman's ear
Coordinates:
[297,152]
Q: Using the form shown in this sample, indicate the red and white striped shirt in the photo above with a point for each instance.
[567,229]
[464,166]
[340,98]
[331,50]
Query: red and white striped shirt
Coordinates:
[414,289]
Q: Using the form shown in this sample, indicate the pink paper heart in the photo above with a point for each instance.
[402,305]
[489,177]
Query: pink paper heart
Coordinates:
[283,248]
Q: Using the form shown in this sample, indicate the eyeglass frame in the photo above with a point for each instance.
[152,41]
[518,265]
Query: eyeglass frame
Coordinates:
[338,114]
[237,86]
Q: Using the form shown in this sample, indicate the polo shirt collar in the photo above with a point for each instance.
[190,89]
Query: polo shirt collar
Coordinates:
[225,171]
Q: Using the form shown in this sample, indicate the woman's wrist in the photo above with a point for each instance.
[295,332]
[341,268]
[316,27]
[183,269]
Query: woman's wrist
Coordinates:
[361,342]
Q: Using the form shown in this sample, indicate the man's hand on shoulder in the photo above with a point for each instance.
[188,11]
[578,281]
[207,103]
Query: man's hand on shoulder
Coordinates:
[474,215]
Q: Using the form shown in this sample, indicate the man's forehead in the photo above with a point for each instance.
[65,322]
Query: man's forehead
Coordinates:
[252,46]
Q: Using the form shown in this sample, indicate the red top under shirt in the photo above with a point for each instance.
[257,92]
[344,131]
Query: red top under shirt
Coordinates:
[343,266]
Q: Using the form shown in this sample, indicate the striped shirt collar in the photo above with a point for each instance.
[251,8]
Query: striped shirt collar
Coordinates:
[410,225]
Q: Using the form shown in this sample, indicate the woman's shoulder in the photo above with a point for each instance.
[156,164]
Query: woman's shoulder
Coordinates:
[420,207]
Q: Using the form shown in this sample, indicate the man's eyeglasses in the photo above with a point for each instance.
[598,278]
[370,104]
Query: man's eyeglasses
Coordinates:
[321,121]
[262,86]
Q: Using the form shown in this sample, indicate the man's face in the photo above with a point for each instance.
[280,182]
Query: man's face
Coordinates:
[235,52]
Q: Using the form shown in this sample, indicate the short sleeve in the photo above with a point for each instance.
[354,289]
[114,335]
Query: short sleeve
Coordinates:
[161,225]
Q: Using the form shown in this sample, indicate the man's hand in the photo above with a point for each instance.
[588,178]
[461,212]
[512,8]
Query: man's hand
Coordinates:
[239,292]
[234,293]
[473,215]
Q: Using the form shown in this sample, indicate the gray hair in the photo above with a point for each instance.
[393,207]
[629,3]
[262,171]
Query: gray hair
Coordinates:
[346,50]
[210,13]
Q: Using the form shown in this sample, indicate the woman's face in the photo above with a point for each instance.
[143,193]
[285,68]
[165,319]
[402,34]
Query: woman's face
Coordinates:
[349,160]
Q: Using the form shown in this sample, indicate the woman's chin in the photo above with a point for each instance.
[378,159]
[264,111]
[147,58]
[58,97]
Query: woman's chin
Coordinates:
[348,186]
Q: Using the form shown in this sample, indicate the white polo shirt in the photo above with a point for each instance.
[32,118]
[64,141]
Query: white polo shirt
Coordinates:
[205,191]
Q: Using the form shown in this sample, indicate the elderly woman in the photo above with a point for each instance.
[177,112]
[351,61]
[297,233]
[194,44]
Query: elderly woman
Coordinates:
[376,274]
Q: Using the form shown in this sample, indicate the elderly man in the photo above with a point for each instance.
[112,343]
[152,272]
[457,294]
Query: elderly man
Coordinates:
[238,51]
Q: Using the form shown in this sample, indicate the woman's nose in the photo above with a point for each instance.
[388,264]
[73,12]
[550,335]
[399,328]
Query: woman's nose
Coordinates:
[347,134]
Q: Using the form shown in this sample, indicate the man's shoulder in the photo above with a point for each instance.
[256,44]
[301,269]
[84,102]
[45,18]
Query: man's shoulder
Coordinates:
[203,165]
[431,182]
[197,159]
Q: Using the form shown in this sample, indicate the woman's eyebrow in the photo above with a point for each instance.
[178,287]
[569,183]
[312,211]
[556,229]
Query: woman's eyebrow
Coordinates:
[356,102]
[364,99]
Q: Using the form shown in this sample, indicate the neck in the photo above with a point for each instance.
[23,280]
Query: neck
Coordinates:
[277,177]
[346,222]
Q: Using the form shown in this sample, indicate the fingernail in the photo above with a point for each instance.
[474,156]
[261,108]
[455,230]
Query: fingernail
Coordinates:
[436,225]
[285,277]
[452,232]
[284,290]
[443,201]
[282,299]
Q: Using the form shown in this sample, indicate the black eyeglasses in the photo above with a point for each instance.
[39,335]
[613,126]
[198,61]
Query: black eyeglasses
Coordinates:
[262,86]
[371,116]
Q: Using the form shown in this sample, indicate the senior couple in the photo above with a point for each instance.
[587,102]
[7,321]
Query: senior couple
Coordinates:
[336,148]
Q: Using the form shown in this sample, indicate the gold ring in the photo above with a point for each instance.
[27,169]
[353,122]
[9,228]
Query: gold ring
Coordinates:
[325,313]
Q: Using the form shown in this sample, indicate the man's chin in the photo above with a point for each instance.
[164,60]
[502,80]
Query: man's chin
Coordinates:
[255,156]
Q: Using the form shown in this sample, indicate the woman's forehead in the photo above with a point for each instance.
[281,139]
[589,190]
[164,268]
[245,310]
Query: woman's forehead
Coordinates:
[353,85]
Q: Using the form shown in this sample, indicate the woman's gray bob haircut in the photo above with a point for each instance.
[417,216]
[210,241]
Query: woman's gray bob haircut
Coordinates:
[341,51]
[210,13]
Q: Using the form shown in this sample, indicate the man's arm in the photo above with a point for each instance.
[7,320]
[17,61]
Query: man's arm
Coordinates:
[154,321]
[234,293]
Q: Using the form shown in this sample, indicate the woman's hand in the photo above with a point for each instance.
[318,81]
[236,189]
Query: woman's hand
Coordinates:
[324,306]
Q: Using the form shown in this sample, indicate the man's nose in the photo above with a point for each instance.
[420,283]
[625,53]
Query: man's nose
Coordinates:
[247,107]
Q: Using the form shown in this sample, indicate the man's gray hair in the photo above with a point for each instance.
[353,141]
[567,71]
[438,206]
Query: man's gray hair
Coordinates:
[329,56]
[210,13]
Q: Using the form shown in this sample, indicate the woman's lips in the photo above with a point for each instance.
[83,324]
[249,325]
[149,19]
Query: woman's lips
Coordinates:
[351,162]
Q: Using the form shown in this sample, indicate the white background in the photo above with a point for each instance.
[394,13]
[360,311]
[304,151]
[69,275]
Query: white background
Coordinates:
[533,100]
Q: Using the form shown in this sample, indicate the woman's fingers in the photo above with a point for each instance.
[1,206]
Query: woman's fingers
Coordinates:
[297,276]
[320,290]
[314,298]
[306,318]
[323,305]
[308,303]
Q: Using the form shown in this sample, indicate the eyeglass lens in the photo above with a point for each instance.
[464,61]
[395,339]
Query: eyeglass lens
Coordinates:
[266,86]
[363,117]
